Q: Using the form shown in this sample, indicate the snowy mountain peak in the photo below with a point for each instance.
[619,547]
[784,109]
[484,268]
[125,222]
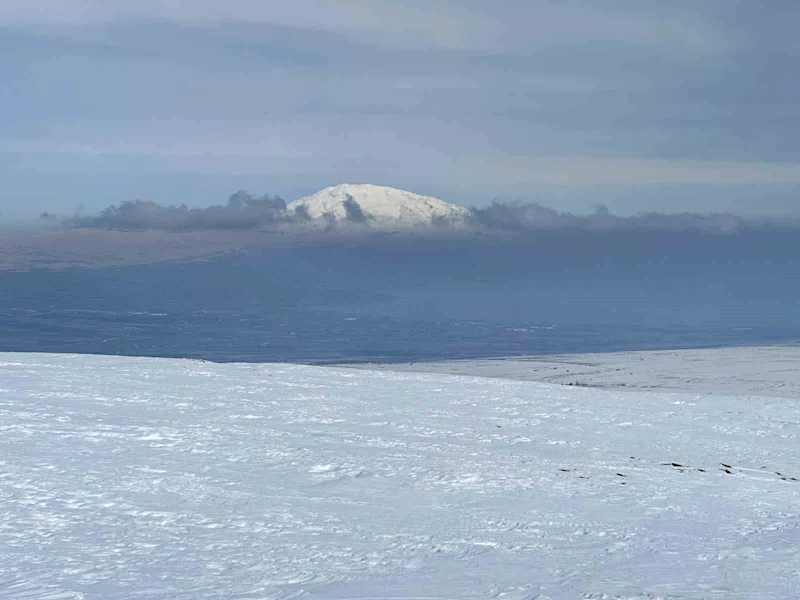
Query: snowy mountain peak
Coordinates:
[378,207]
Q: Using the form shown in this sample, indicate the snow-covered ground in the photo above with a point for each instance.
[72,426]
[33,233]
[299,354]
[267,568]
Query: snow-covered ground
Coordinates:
[757,371]
[176,479]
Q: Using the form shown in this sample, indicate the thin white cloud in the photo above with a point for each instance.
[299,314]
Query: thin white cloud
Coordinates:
[506,25]
[183,149]
[407,23]
[589,171]
[497,171]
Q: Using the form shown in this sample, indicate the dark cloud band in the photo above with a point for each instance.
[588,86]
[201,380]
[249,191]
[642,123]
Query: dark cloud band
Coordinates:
[244,211]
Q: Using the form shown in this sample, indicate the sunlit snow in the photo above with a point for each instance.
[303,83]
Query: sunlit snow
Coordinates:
[382,208]
[178,479]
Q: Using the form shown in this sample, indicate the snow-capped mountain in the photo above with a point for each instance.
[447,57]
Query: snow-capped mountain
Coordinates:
[380,208]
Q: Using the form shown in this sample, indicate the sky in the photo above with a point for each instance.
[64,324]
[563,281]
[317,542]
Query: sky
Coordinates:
[635,104]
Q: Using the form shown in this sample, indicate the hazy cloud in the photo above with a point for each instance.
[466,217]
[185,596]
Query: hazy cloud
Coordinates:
[352,211]
[518,217]
[242,211]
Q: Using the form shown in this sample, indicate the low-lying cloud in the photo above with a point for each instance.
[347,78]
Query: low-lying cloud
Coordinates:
[519,217]
[353,211]
[514,239]
[244,211]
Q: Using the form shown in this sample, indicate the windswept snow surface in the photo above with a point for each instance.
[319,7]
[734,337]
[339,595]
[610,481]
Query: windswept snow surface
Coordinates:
[178,479]
[754,371]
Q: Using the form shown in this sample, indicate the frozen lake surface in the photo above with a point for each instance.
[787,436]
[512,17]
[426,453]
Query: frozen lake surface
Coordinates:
[179,479]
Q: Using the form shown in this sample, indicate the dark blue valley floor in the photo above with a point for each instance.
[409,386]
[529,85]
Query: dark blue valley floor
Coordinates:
[345,304]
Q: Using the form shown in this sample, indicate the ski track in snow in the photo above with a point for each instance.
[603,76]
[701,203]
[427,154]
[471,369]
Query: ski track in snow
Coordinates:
[177,479]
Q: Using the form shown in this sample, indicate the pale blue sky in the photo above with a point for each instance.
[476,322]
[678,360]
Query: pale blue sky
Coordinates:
[638,104]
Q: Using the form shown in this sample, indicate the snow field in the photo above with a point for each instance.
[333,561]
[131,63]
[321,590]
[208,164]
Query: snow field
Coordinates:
[156,478]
